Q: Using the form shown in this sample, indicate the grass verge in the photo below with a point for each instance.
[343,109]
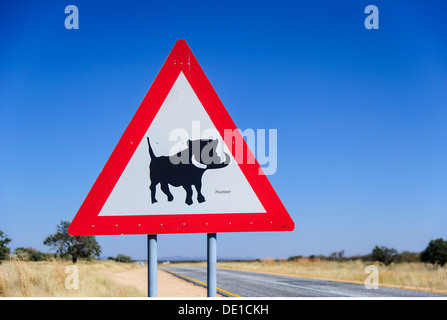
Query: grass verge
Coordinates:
[56,278]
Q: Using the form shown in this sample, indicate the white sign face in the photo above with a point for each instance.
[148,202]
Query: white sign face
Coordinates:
[224,188]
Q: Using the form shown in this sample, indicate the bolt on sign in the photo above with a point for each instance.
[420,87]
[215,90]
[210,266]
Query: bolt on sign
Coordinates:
[175,170]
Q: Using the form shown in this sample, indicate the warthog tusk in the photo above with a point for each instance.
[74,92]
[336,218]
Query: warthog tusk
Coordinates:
[198,164]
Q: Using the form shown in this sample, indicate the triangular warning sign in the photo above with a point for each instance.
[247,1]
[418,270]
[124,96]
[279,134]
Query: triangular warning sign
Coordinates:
[181,166]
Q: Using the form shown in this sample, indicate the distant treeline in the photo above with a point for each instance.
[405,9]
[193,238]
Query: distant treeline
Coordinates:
[65,245]
[435,253]
[31,254]
[87,248]
[404,256]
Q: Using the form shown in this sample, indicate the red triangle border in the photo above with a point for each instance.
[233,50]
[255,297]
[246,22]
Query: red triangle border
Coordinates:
[87,221]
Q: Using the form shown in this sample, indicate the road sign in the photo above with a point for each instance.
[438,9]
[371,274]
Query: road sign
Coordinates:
[175,171]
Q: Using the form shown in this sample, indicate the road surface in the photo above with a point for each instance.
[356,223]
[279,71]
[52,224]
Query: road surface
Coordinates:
[253,284]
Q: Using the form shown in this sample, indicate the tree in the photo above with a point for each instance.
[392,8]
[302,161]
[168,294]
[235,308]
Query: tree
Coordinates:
[436,252]
[334,256]
[68,245]
[384,254]
[4,250]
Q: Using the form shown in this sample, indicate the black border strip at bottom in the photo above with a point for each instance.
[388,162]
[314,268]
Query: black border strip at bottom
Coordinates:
[213,308]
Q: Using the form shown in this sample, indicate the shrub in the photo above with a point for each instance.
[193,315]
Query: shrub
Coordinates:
[293,258]
[436,252]
[4,250]
[407,256]
[37,256]
[29,254]
[123,258]
[383,254]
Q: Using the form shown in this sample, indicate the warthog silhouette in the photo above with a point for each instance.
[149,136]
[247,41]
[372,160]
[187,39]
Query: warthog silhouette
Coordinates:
[185,168]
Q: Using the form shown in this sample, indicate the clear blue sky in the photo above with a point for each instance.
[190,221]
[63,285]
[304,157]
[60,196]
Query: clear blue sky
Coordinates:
[361,114]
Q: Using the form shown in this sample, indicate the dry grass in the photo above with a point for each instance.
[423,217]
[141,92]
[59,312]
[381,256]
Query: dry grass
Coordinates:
[415,276]
[48,279]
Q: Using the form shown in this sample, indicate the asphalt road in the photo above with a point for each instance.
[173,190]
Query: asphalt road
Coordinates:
[253,284]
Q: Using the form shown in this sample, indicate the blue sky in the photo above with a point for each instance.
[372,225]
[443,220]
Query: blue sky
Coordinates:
[361,114]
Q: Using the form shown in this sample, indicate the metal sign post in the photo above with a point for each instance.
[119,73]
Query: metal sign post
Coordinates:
[211,264]
[152,265]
